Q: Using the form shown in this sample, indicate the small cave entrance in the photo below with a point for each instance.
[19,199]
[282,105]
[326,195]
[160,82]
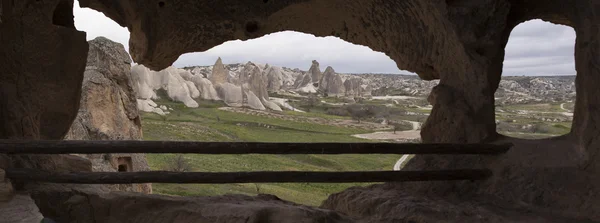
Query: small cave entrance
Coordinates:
[124,164]
[536,96]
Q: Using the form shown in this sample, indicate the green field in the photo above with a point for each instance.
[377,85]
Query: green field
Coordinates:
[208,123]
[325,122]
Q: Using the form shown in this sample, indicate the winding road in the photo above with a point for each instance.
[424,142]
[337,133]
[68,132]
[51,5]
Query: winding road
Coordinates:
[403,159]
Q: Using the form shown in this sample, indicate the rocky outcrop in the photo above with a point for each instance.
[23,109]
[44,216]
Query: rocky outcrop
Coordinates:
[147,82]
[77,206]
[205,87]
[219,73]
[275,78]
[108,109]
[253,76]
[303,81]
[459,42]
[331,84]
[315,72]
[231,94]
[353,87]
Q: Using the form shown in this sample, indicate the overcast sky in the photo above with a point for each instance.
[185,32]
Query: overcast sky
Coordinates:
[534,48]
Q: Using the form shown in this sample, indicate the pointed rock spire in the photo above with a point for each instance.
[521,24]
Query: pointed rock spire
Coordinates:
[219,73]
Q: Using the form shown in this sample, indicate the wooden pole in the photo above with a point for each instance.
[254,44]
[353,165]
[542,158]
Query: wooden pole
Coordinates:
[27,175]
[100,147]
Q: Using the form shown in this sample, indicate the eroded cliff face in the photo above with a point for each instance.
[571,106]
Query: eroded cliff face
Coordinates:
[42,58]
[108,110]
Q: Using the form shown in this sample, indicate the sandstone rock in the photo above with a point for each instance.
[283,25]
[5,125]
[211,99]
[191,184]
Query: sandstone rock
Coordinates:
[315,72]
[271,105]
[257,82]
[109,108]
[20,209]
[460,42]
[251,100]
[42,63]
[230,94]
[147,82]
[275,78]
[331,84]
[206,88]
[6,189]
[178,89]
[302,81]
[219,73]
[75,206]
[353,87]
[147,105]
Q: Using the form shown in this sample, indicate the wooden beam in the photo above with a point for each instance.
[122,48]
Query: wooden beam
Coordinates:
[100,147]
[28,175]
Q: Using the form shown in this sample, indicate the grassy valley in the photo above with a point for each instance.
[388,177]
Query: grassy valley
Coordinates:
[209,123]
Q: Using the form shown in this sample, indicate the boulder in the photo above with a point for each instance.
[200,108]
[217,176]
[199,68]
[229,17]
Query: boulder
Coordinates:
[252,101]
[109,108]
[271,105]
[147,105]
[219,73]
[331,84]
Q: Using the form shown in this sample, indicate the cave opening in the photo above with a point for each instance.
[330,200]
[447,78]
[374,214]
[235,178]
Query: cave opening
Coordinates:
[536,95]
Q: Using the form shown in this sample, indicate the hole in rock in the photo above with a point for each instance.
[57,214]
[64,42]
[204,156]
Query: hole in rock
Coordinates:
[252,26]
[536,96]
[161,4]
[63,14]
[124,164]
[272,89]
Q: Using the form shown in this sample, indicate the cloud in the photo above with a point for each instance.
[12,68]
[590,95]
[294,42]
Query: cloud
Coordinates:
[540,48]
[534,48]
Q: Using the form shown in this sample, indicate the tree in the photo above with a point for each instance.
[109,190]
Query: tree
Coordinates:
[395,125]
[179,164]
[358,112]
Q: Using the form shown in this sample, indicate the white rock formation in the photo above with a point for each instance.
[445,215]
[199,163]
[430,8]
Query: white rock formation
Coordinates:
[206,88]
[219,73]
[147,105]
[253,101]
[146,82]
[274,78]
[331,84]
[230,94]
[315,72]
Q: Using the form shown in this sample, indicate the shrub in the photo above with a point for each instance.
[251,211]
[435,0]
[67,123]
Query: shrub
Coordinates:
[179,164]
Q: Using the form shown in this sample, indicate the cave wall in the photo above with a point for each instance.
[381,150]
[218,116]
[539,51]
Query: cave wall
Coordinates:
[460,42]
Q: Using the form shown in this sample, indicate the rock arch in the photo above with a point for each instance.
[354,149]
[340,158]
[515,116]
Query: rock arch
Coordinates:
[460,42]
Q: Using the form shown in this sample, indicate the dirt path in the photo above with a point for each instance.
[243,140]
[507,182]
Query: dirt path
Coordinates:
[414,133]
[400,161]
